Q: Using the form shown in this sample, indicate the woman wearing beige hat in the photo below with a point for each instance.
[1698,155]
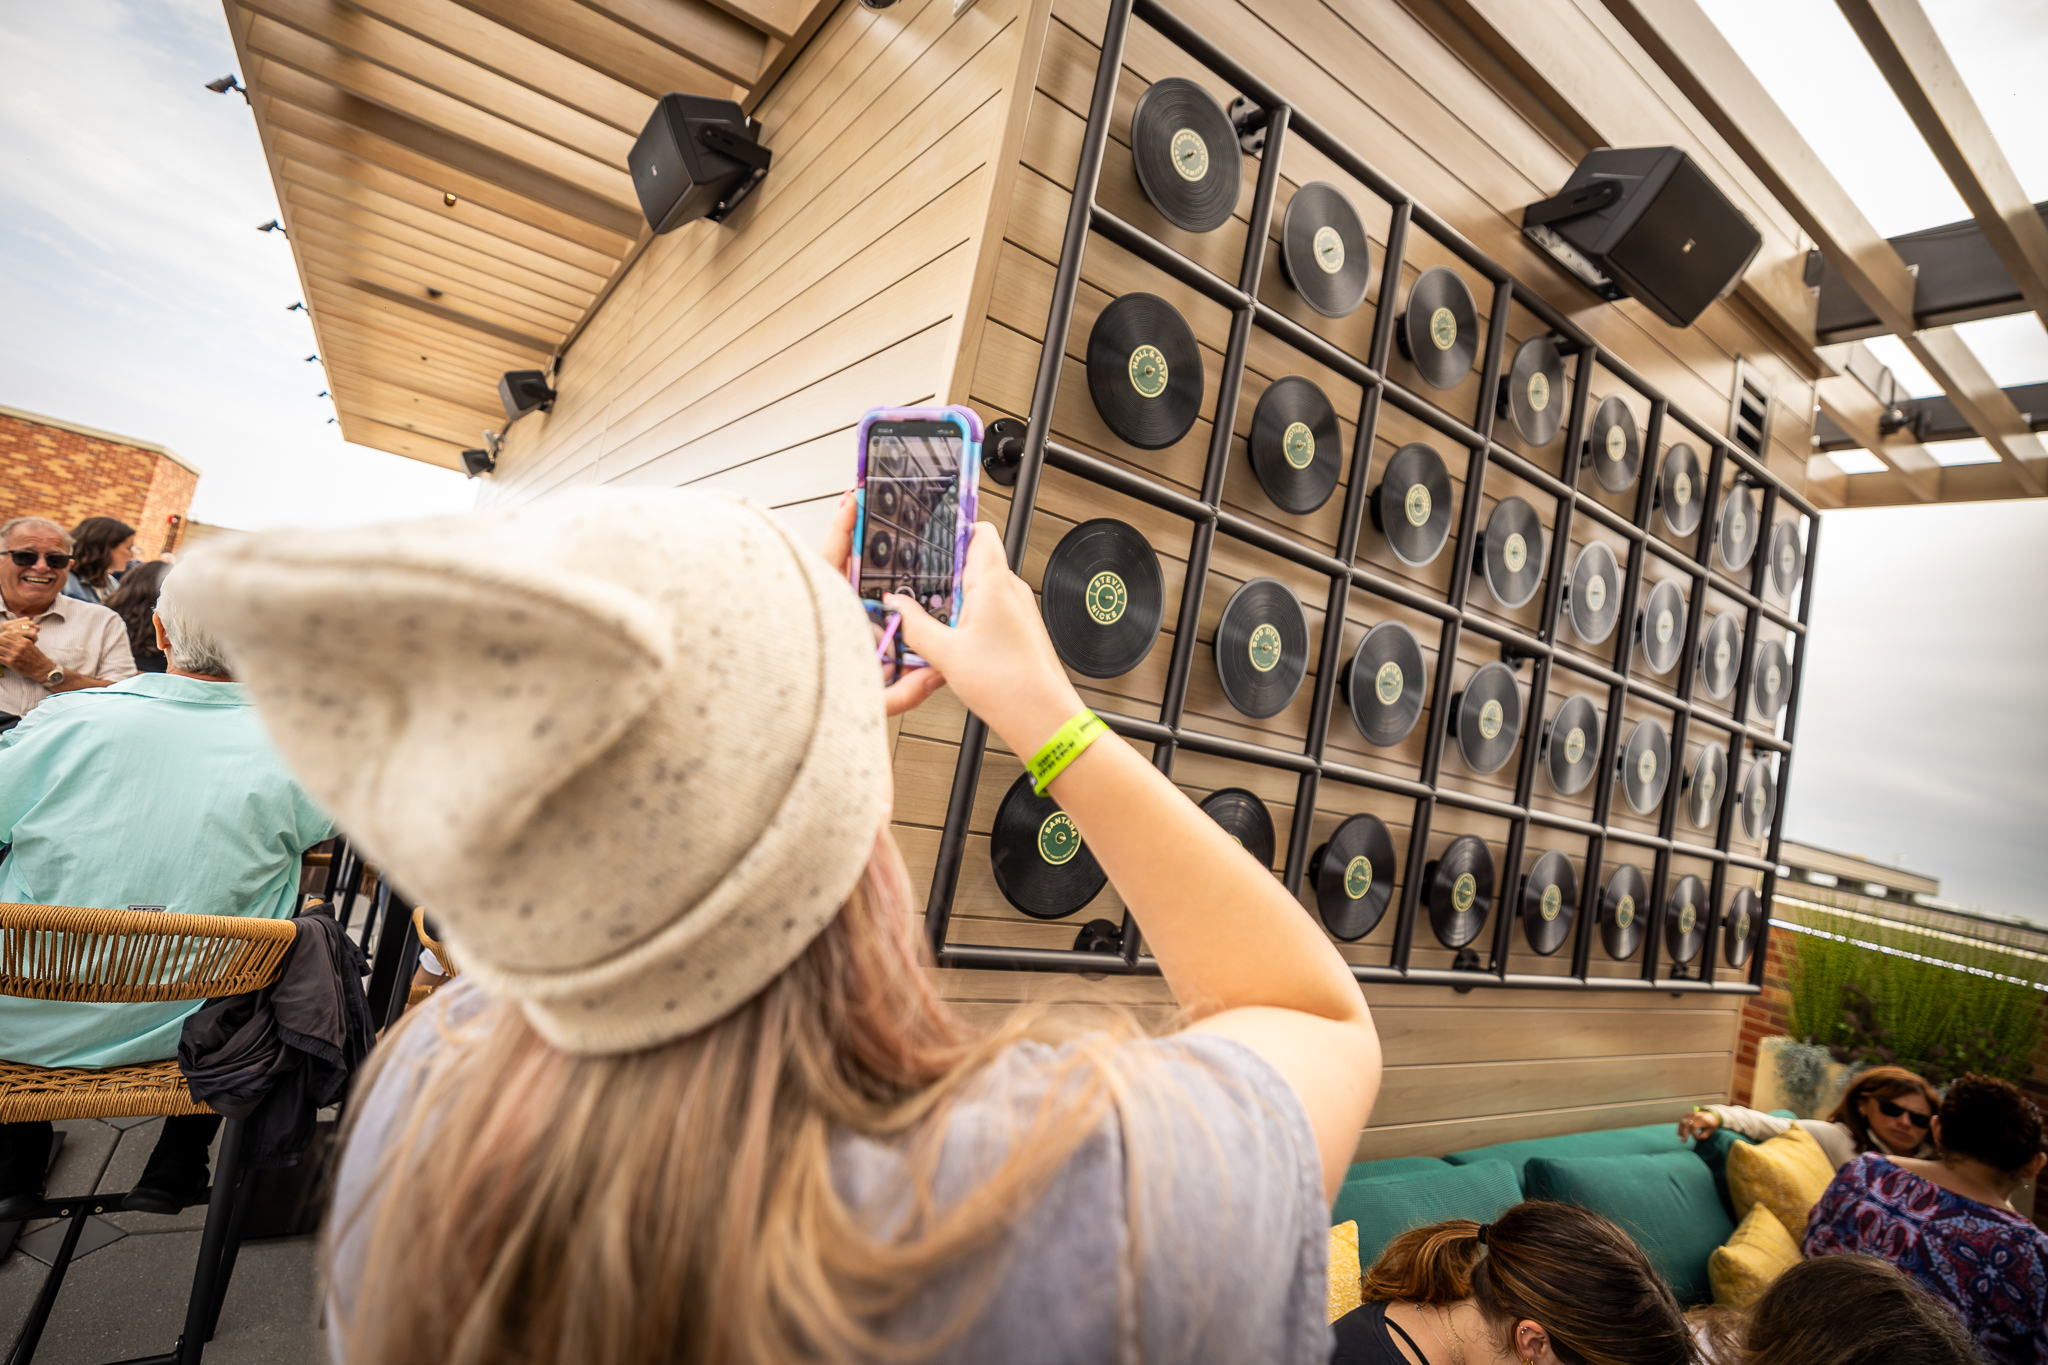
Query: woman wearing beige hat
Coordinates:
[694,1097]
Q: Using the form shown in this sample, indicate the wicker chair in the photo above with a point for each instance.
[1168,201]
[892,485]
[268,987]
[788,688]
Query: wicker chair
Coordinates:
[54,952]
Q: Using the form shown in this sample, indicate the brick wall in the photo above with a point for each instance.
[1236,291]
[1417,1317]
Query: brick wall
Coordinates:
[1763,1016]
[68,474]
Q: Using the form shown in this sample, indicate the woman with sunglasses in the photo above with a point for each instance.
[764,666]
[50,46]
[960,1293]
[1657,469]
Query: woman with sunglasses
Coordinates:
[1949,1222]
[1887,1110]
[1543,1284]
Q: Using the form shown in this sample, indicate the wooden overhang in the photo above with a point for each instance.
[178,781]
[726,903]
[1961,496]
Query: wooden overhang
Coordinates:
[453,177]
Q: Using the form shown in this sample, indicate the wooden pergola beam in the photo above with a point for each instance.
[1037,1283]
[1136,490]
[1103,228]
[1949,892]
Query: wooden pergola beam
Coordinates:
[1910,53]
[1857,412]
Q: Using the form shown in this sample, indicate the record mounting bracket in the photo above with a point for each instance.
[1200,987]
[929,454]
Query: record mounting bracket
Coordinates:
[1251,120]
[745,150]
[1002,452]
[1572,203]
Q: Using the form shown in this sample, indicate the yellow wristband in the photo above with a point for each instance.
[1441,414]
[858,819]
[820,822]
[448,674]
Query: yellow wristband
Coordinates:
[1063,748]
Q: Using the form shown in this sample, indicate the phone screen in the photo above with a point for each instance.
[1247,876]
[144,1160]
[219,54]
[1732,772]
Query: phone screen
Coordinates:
[913,513]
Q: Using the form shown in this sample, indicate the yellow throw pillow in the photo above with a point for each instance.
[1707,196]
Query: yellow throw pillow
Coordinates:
[1759,1252]
[1787,1175]
[1344,1269]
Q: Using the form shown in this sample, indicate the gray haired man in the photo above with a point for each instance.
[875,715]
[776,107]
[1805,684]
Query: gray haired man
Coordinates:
[50,643]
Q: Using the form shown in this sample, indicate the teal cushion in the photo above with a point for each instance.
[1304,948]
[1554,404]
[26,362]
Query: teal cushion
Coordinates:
[1665,1201]
[1649,1139]
[1386,1206]
[1393,1165]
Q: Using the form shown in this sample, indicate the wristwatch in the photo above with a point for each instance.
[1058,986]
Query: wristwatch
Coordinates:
[55,680]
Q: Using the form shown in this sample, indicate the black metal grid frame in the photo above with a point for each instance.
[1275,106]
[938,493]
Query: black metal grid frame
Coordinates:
[1207,517]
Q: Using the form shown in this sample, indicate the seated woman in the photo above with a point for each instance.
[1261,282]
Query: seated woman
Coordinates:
[1949,1223]
[1542,1283]
[694,1097]
[1837,1310]
[1886,1110]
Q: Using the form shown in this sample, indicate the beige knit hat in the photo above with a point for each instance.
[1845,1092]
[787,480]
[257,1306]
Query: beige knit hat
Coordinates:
[627,747]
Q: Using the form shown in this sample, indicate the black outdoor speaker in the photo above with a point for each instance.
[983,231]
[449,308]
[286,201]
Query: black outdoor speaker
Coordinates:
[1645,222]
[521,391]
[696,158]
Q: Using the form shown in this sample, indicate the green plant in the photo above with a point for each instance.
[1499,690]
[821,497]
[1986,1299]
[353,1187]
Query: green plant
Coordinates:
[1883,993]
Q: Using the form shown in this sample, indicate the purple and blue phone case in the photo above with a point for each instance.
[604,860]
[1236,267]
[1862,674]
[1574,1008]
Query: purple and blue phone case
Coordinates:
[969,424]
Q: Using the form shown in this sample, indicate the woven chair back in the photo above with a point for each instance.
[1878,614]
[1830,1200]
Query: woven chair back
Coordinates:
[61,952]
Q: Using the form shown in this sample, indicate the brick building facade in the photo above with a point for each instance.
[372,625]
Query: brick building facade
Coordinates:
[66,472]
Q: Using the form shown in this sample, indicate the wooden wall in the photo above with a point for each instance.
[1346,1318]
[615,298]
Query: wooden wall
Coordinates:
[1463,1070]
[902,251]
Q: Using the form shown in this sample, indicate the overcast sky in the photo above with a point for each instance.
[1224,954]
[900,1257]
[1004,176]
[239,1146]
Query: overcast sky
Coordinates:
[137,297]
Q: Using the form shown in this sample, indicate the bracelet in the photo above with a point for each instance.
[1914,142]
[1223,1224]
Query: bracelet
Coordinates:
[1063,748]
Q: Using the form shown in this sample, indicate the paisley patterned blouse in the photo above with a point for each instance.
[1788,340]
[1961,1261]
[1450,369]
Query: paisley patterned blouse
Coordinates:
[1990,1264]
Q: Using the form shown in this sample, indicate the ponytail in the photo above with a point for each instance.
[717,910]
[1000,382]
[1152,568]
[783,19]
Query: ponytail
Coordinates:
[1567,1269]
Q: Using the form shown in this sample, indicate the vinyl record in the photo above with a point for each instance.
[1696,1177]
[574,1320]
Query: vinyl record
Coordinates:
[1145,371]
[1487,718]
[1706,784]
[1592,596]
[1736,530]
[1296,450]
[1103,598]
[1660,626]
[1643,767]
[1324,250]
[1262,647]
[1771,686]
[1244,818]
[1550,902]
[1385,685]
[1623,909]
[1679,490]
[1412,505]
[1614,448]
[1720,655]
[1685,919]
[1741,923]
[1533,394]
[1353,877]
[1041,865]
[1511,552]
[1759,799]
[1439,331]
[1187,155]
[1788,557]
[1458,889]
[1571,746]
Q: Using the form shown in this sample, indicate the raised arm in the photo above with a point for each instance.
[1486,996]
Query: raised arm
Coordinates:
[1237,950]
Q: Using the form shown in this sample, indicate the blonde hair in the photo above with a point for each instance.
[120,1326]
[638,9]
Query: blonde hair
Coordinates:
[677,1204]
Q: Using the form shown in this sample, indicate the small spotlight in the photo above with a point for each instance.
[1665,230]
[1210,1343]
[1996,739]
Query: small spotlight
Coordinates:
[299,307]
[521,391]
[311,358]
[448,198]
[433,293]
[272,226]
[330,421]
[479,463]
[321,394]
[227,83]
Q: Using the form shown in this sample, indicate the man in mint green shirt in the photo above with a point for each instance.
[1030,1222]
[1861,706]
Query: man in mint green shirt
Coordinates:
[159,791]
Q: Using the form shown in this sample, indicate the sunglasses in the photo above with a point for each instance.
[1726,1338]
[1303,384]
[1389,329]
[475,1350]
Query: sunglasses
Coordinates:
[1912,1116]
[26,559]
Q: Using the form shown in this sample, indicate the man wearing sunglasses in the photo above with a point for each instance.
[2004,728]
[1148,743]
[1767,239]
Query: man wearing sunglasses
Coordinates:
[50,643]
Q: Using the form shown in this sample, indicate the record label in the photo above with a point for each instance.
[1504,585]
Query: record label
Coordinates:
[1738,526]
[1358,877]
[1190,154]
[1388,684]
[1772,678]
[1148,371]
[1758,799]
[1742,924]
[1515,553]
[1058,839]
[1688,916]
[1575,745]
[1539,399]
[1463,892]
[1787,556]
[1265,647]
[1646,767]
[1329,249]
[1416,504]
[1663,627]
[1681,488]
[1489,720]
[1443,329]
[1596,592]
[1552,902]
[1617,443]
[1298,444]
[1722,653]
[1707,786]
[1107,598]
[1625,913]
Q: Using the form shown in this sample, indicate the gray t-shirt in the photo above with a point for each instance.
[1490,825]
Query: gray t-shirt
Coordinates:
[1234,1231]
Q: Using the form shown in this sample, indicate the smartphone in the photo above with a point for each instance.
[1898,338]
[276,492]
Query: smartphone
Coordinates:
[918,474]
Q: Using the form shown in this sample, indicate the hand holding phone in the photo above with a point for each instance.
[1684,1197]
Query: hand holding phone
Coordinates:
[917,479]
